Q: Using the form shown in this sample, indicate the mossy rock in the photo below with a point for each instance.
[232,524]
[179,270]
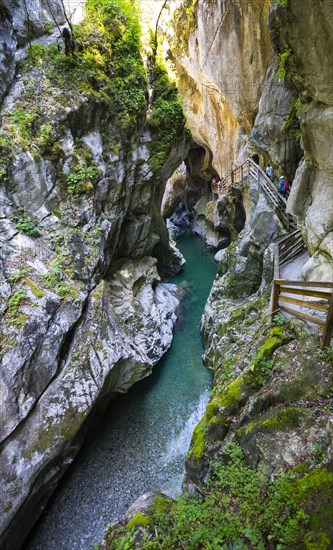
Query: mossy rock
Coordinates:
[38,292]
[198,443]
[277,420]
[215,423]
[262,364]
[161,504]
[140,520]
[315,490]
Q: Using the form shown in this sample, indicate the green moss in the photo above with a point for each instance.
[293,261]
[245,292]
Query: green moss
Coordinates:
[160,505]
[292,124]
[317,541]
[232,395]
[64,429]
[25,224]
[140,520]
[38,292]
[199,443]
[269,347]
[262,363]
[14,302]
[276,421]
[316,481]
[19,320]
[284,56]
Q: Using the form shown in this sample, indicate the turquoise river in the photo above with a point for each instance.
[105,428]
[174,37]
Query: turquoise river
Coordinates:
[141,442]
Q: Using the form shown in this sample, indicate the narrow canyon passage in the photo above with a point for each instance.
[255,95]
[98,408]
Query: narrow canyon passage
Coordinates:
[141,443]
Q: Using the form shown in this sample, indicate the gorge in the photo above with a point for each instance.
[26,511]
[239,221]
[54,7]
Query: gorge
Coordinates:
[99,148]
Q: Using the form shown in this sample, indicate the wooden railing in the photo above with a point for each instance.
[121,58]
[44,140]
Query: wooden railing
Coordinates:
[314,297]
[250,168]
[288,247]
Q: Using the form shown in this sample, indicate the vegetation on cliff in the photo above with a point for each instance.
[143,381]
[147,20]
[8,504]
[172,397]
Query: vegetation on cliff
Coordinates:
[235,508]
[258,472]
[106,68]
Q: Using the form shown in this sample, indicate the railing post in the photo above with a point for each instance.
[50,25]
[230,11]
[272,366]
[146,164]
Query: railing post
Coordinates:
[258,180]
[325,341]
[242,174]
[276,253]
[276,286]
[275,299]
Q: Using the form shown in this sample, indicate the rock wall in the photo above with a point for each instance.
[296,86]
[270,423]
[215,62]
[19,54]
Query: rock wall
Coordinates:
[17,27]
[83,312]
[253,79]
[307,33]
[221,52]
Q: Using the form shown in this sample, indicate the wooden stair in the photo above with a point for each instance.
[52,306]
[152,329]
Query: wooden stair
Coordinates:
[250,169]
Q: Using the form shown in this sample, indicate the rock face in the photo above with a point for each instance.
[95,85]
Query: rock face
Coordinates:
[83,312]
[30,17]
[276,100]
[125,327]
[17,27]
[7,51]
[311,200]
[221,52]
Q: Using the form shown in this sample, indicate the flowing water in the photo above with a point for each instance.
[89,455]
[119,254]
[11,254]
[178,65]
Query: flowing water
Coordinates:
[141,442]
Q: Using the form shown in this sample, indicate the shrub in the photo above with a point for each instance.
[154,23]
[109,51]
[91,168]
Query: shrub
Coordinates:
[25,224]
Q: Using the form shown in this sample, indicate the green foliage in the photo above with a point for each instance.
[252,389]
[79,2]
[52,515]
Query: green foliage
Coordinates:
[25,224]
[12,311]
[80,180]
[282,3]
[48,28]
[284,56]
[107,66]
[36,53]
[292,124]
[326,355]
[18,275]
[22,126]
[60,277]
[166,119]
[279,320]
[15,300]
[185,20]
[235,509]
[139,520]
[263,364]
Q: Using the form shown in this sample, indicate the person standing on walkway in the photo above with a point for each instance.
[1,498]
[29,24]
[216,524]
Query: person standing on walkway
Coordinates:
[269,171]
[281,186]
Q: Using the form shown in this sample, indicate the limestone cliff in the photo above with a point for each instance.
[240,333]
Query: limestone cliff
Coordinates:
[252,78]
[221,52]
[83,311]
[306,35]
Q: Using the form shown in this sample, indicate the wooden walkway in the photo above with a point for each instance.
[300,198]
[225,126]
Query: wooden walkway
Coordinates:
[315,297]
[250,169]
